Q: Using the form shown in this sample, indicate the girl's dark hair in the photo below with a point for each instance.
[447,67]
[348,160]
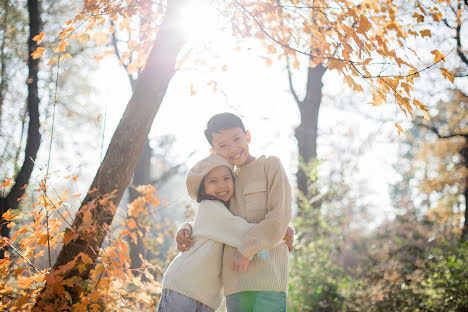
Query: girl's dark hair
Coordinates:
[203,196]
[221,122]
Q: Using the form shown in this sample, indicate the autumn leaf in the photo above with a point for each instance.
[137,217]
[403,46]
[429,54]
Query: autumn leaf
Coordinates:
[86,259]
[22,197]
[6,183]
[38,53]
[62,46]
[268,62]
[419,17]
[447,75]
[336,64]
[438,56]
[38,38]
[400,129]
[100,38]
[192,90]
[425,33]
[224,68]
[65,56]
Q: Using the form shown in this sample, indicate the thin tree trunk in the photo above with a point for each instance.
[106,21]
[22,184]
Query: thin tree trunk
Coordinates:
[116,170]
[3,83]
[306,132]
[34,137]
[464,153]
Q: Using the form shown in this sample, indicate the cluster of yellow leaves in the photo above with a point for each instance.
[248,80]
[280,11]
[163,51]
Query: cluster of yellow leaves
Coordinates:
[39,231]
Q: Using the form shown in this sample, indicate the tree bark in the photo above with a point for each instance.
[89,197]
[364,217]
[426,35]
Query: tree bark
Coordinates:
[306,132]
[464,153]
[34,137]
[116,170]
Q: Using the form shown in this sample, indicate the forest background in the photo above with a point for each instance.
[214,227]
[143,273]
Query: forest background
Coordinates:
[364,103]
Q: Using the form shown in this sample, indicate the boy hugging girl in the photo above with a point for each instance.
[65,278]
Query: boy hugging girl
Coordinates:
[235,245]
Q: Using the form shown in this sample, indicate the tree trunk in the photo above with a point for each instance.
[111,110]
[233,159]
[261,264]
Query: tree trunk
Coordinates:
[306,133]
[116,170]
[3,83]
[464,153]
[34,137]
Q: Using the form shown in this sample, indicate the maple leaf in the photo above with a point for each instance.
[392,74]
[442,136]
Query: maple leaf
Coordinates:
[438,56]
[38,38]
[38,53]
[400,129]
[447,75]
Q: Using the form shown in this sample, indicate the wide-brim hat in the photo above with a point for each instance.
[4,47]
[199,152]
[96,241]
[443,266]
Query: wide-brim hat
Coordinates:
[200,170]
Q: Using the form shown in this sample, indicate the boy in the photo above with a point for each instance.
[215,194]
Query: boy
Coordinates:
[255,274]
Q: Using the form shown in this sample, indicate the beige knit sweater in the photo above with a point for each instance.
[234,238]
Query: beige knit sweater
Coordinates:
[197,273]
[262,196]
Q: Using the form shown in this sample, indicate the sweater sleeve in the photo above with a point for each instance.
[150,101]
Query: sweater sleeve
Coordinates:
[214,221]
[270,231]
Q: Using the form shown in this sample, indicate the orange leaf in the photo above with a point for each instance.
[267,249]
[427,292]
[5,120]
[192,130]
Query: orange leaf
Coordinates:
[400,129]
[224,68]
[39,37]
[447,75]
[425,33]
[52,61]
[38,53]
[23,197]
[86,259]
[62,46]
[336,64]
[438,56]
[6,183]
[192,90]
[268,62]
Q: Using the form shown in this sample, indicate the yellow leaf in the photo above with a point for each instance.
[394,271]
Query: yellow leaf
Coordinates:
[438,56]
[336,64]
[425,33]
[426,115]
[100,38]
[65,56]
[52,61]
[400,129]
[38,38]
[62,46]
[437,16]
[419,17]
[38,53]
[447,75]
[86,259]
[192,90]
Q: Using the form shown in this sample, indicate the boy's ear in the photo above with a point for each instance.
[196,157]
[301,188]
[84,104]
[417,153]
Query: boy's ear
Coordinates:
[212,151]
[247,134]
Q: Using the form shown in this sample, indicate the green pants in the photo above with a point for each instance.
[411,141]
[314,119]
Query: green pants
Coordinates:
[256,301]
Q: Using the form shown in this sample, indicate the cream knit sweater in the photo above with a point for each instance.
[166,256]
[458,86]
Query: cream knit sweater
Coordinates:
[262,196]
[197,273]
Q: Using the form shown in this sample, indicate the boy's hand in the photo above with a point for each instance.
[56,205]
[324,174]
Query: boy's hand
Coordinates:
[239,263]
[289,238]
[183,240]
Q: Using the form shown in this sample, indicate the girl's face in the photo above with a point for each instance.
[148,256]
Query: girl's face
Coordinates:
[218,183]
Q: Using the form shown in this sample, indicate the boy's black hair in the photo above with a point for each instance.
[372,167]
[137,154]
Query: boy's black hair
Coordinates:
[221,122]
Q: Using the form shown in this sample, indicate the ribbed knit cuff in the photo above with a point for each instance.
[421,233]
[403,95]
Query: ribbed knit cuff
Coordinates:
[185,226]
[247,251]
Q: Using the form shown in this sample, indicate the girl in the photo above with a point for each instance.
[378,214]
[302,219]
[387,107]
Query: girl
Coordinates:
[192,281]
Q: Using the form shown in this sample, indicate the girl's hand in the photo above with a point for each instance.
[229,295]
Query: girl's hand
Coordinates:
[183,240]
[289,238]
[239,263]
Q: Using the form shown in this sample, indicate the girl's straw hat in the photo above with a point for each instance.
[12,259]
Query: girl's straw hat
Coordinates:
[200,170]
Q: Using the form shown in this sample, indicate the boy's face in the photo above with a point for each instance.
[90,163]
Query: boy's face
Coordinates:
[233,145]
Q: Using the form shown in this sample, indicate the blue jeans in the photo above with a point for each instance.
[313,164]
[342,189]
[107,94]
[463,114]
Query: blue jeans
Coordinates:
[256,301]
[172,301]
